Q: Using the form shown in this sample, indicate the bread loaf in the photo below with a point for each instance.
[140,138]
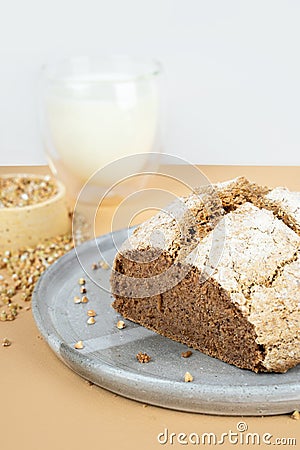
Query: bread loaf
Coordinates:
[219,271]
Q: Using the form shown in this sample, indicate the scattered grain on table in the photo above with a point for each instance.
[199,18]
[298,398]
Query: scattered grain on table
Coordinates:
[6,342]
[296,415]
[20,271]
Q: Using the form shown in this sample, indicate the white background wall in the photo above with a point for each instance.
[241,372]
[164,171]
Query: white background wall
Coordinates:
[232,70]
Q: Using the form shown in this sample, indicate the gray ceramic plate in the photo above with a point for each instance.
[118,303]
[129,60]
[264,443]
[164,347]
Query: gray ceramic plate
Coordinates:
[108,358]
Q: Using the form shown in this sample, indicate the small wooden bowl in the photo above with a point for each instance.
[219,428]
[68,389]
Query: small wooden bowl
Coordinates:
[29,225]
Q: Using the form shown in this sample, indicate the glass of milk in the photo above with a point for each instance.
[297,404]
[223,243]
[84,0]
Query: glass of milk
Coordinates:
[96,111]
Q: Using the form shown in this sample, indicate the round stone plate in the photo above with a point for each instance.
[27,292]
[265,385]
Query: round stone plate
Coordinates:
[108,358]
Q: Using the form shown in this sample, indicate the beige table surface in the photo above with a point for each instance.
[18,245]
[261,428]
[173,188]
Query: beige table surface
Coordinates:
[45,406]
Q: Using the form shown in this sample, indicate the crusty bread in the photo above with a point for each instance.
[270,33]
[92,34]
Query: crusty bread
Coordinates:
[219,271]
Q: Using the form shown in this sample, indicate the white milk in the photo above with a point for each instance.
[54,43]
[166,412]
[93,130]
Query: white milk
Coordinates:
[92,124]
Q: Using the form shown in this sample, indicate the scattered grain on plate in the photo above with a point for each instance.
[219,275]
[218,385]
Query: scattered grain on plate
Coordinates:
[186,354]
[82,290]
[6,342]
[188,377]
[104,265]
[121,324]
[94,266]
[81,281]
[296,415]
[77,300]
[91,321]
[143,357]
[79,345]
[91,313]
[84,299]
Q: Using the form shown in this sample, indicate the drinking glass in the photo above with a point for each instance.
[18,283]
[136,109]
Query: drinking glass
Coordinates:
[94,111]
